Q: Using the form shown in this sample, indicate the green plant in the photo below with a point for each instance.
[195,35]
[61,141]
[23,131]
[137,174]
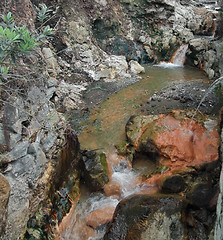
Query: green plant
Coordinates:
[17,41]
[44,13]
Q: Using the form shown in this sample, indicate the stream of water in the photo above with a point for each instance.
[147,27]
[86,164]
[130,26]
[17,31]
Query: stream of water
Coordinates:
[105,128]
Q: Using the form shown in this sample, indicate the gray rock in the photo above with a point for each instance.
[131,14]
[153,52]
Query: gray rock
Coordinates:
[36,96]
[48,141]
[24,165]
[218,233]
[199,44]
[50,92]
[52,82]
[19,150]
[18,207]
[2,136]
[51,61]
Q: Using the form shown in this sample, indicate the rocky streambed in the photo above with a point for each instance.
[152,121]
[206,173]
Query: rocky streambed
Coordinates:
[164,172]
[96,50]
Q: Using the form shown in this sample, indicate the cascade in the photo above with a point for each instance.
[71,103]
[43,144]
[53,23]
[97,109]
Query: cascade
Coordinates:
[178,58]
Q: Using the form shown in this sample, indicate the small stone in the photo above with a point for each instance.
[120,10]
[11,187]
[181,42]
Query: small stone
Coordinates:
[113,189]
[52,82]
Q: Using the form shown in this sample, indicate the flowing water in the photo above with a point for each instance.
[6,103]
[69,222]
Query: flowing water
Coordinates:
[105,128]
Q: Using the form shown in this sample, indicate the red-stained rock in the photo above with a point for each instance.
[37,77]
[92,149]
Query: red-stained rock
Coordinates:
[113,189]
[100,216]
[182,141]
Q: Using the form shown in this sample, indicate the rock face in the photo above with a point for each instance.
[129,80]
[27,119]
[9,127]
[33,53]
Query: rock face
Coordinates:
[143,31]
[34,156]
[90,35]
[4,198]
[144,217]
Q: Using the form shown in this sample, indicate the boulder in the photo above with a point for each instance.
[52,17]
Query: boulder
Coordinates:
[179,139]
[145,217]
[112,68]
[135,67]
[100,217]
[113,189]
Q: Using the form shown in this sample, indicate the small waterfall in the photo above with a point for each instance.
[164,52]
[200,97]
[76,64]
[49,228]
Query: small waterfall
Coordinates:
[178,58]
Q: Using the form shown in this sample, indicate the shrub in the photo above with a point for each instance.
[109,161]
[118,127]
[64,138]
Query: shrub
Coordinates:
[17,41]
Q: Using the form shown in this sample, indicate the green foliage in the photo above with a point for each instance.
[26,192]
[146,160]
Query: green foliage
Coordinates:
[44,13]
[17,41]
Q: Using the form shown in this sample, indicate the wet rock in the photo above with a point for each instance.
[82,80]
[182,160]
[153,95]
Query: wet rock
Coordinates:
[201,194]
[113,189]
[4,198]
[182,141]
[100,217]
[147,217]
[173,184]
[218,233]
[95,166]
[200,222]
[135,67]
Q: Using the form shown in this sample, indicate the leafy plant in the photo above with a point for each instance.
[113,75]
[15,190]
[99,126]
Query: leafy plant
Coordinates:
[17,41]
[44,13]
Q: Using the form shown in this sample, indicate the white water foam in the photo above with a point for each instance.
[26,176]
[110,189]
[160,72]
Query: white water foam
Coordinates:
[127,179]
[177,59]
[168,65]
